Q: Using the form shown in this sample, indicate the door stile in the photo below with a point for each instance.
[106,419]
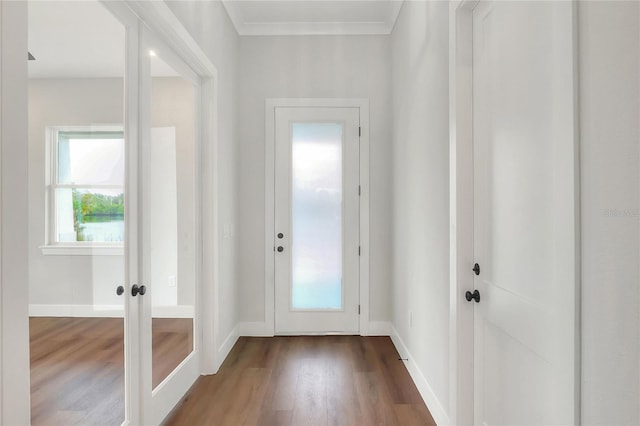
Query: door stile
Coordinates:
[143,262]
[133,389]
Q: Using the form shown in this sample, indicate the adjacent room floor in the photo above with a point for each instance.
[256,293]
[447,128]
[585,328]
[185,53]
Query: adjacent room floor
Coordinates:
[77,366]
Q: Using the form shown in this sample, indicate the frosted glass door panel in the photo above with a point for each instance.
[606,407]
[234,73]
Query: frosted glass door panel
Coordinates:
[316,246]
[316,206]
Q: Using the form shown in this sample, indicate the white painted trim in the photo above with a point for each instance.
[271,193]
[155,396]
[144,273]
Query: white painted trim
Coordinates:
[365,203]
[379,328]
[577,371]
[82,250]
[244,28]
[262,329]
[432,402]
[225,348]
[180,379]
[269,168]
[105,311]
[461,326]
[2,320]
[255,329]
[210,253]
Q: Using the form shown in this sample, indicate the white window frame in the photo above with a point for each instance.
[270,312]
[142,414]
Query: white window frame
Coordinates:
[52,246]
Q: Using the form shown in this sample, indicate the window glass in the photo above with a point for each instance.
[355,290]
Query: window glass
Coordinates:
[89,191]
[91,159]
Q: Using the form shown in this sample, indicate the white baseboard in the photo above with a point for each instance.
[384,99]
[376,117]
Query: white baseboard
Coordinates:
[254,329]
[225,347]
[380,328]
[105,311]
[260,329]
[436,409]
[88,311]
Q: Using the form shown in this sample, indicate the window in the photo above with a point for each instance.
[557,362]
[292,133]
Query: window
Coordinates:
[86,188]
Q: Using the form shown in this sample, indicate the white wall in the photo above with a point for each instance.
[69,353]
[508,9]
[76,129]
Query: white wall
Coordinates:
[91,280]
[66,280]
[209,25]
[609,35]
[419,46]
[14,325]
[312,67]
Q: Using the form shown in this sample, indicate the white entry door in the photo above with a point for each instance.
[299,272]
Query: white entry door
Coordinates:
[525,210]
[316,241]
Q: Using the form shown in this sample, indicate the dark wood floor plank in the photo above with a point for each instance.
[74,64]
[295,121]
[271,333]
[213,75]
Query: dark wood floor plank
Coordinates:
[306,380]
[77,366]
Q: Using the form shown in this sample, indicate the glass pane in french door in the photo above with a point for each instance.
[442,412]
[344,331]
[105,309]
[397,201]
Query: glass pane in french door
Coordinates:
[316,212]
[170,214]
[77,195]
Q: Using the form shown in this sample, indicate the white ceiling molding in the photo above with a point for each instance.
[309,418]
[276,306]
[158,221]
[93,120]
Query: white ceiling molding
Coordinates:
[313,17]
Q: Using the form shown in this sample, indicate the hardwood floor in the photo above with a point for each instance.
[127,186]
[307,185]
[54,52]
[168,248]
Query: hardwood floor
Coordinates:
[299,381]
[77,366]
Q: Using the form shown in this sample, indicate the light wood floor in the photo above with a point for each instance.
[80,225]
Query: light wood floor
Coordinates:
[77,366]
[300,381]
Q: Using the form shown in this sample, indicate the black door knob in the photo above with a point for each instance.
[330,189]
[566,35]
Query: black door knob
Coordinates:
[280,249]
[138,290]
[280,235]
[472,296]
[120,290]
[476,269]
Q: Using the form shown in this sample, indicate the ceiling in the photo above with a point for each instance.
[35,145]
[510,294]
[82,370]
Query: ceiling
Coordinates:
[82,39]
[78,39]
[313,17]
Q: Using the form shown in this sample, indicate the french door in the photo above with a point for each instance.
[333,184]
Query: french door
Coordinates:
[169,240]
[524,214]
[163,243]
[316,241]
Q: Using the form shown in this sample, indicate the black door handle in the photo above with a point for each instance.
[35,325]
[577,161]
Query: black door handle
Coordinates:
[476,269]
[120,290]
[280,249]
[472,296]
[135,290]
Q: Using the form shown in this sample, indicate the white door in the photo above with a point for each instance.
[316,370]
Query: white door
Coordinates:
[316,241]
[524,224]
[169,223]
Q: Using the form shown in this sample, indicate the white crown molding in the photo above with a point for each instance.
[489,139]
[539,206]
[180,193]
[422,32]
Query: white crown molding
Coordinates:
[297,28]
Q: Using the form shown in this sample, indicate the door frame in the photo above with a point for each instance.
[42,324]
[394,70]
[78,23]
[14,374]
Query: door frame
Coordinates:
[156,20]
[269,206]
[159,18]
[461,194]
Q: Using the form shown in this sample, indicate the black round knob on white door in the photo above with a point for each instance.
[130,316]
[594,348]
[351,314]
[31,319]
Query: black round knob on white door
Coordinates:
[476,269]
[280,249]
[472,296]
[135,290]
[120,290]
